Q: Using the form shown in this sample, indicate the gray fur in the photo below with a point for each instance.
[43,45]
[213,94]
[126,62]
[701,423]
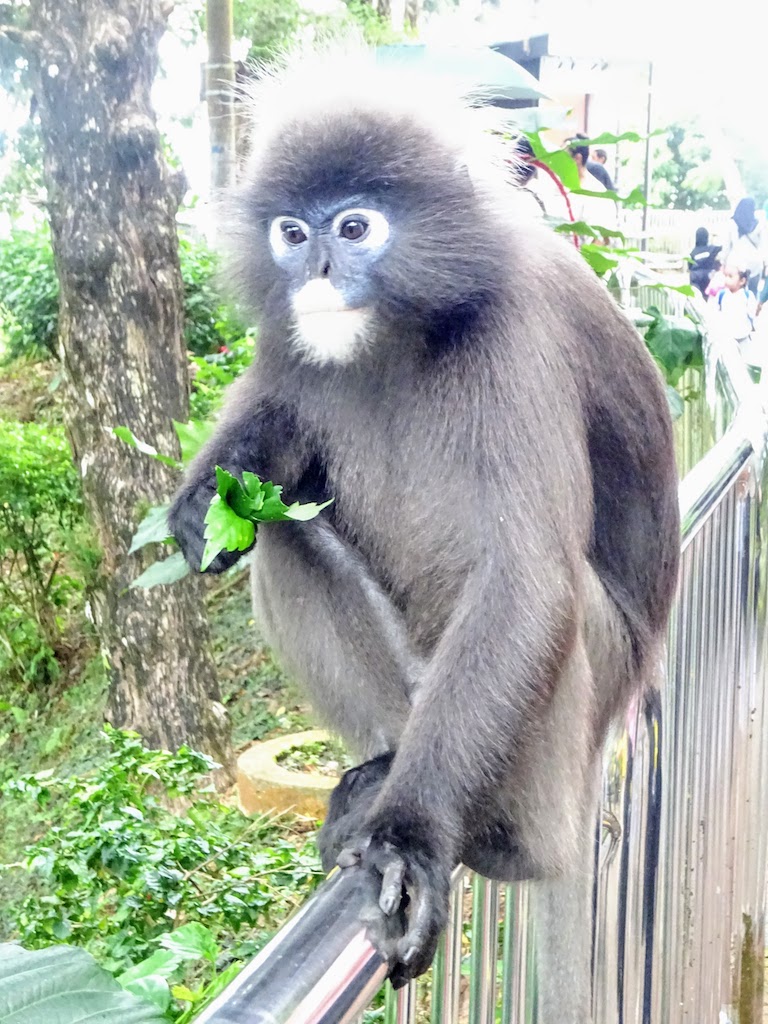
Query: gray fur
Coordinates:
[492,581]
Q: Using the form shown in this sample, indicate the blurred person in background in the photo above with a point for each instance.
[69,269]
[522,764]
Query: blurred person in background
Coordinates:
[736,304]
[597,160]
[591,209]
[746,244]
[703,261]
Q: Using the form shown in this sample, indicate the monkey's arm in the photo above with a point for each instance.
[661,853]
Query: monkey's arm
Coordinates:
[486,686]
[254,434]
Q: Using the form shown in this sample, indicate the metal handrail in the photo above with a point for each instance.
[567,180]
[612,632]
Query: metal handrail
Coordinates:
[320,968]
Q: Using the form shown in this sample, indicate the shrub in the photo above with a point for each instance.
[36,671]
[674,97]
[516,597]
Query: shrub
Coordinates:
[40,507]
[209,325]
[29,294]
[29,298]
[119,868]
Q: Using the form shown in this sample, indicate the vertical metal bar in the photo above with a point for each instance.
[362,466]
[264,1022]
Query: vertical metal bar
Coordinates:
[406,1004]
[446,971]
[485,947]
[507,954]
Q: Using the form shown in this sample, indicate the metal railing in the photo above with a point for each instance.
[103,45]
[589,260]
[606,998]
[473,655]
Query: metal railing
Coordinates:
[679,881]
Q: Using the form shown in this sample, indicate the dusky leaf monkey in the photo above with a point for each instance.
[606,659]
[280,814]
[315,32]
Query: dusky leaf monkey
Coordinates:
[492,582]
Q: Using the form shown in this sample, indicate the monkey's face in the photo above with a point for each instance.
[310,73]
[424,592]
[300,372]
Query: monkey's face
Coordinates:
[358,228]
[328,257]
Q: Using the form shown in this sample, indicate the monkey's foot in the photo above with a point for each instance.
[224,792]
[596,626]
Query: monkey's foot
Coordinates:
[412,885]
[349,804]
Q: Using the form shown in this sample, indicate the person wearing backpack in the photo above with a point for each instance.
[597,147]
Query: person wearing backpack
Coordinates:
[703,261]
[747,243]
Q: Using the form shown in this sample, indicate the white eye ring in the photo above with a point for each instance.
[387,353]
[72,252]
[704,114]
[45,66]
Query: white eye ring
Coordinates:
[378,227]
[276,234]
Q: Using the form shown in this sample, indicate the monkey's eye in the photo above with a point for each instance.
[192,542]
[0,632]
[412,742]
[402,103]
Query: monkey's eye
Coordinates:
[354,229]
[293,233]
[369,227]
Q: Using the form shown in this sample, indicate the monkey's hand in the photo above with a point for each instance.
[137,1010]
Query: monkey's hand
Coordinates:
[186,520]
[412,879]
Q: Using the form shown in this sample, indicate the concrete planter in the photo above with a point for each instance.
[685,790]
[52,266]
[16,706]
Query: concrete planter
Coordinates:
[264,785]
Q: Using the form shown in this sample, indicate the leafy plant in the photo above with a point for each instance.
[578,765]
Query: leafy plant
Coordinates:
[70,984]
[119,868]
[40,508]
[29,294]
[209,325]
[215,372]
[675,344]
[29,298]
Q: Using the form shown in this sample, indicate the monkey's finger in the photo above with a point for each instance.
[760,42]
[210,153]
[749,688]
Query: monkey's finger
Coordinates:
[392,885]
[352,855]
[422,928]
[348,857]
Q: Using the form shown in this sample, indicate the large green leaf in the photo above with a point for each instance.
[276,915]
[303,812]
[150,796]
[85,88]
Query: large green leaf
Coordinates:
[675,343]
[126,435]
[192,436]
[225,530]
[171,569]
[153,529]
[237,508]
[191,941]
[63,985]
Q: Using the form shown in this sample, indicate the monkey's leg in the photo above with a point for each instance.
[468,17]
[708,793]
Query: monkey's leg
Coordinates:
[337,631]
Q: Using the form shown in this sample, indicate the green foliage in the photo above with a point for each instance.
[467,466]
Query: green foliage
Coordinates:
[213,373]
[40,510]
[29,294]
[23,184]
[684,176]
[29,299]
[272,26]
[269,25]
[70,984]
[209,325]
[374,27]
[675,343]
[237,508]
[119,867]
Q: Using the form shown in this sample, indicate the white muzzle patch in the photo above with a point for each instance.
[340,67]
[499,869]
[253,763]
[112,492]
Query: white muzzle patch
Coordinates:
[327,330]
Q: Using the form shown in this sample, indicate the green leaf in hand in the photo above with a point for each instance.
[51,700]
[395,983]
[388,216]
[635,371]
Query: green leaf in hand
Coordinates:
[225,530]
[237,508]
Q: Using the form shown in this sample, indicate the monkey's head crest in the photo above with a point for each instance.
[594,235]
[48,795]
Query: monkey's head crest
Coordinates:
[371,197]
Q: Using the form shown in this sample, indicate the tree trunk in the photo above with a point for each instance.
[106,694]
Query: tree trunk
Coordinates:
[112,204]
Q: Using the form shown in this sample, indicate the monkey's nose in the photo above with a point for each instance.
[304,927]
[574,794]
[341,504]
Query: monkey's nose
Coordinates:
[325,269]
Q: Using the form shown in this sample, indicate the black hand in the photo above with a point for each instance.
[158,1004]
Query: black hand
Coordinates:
[186,519]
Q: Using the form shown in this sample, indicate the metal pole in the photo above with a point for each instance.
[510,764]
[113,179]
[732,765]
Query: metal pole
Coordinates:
[220,92]
[647,180]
